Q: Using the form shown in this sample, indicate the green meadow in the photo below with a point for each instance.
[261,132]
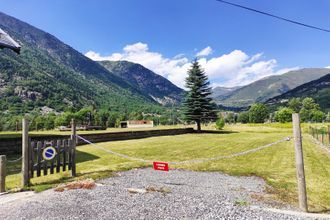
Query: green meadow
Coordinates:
[276,164]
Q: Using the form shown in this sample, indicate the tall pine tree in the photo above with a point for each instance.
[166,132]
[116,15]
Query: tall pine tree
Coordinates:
[198,106]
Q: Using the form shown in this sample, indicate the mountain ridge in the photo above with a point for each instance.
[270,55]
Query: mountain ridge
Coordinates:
[268,87]
[151,84]
[318,89]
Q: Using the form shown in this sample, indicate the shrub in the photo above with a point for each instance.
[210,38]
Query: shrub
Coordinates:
[284,115]
[220,123]
[243,117]
[258,113]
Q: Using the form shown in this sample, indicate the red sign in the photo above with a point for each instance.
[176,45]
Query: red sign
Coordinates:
[160,166]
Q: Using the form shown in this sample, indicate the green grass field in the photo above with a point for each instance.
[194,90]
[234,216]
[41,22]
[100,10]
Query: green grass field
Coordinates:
[276,164]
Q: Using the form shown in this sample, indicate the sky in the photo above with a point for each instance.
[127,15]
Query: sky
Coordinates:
[234,46]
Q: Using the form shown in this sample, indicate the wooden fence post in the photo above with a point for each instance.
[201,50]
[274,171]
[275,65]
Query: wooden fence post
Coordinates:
[299,163]
[329,134]
[25,152]
[74,142]
[2,173]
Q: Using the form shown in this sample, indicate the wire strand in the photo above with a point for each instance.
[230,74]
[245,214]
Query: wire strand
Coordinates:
[274,16]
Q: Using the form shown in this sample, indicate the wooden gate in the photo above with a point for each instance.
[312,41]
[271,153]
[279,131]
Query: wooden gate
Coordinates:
[48,157]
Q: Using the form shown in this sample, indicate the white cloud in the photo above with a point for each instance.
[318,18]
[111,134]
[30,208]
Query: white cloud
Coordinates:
[328,67]
[205,52]
[233,69]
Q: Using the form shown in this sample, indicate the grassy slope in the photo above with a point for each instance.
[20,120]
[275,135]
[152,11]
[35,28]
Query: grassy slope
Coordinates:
[275,164]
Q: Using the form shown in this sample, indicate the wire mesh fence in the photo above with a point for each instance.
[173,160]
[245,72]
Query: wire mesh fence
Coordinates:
[322,134]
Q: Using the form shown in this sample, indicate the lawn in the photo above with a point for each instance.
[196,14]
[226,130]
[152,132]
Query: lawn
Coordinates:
[276,164]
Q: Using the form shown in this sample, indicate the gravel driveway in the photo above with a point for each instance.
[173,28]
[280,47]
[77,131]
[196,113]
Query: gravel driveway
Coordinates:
[149,194]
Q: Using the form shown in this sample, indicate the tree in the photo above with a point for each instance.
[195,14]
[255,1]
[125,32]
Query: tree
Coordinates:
[284,115]
[112,119]
[317,115]
[198,105]
[101,117]
[135,116]
[295,104]
[327,119]
[258,113]
[310,111]
[64,119]
[243,117]
[230,118]
[304,115]
[309,104]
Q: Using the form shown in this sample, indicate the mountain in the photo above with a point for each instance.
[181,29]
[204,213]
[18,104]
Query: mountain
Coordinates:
[269,87]
[49,73]
[220,92]
[149,83]
[318,89]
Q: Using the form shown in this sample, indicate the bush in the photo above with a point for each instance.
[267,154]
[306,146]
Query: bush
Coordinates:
[317,116]
[220,123]
[258,113]
[243,117]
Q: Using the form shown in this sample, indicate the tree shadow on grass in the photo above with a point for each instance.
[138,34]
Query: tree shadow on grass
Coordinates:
[215,132]
[83,156]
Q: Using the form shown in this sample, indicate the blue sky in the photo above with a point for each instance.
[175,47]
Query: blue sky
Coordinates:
[166,35]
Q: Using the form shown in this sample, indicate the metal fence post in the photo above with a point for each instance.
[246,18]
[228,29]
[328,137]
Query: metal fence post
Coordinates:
[299,163]
[2,173]
[25,152]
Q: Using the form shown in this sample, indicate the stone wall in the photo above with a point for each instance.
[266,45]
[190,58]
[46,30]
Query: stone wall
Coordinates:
[9,146]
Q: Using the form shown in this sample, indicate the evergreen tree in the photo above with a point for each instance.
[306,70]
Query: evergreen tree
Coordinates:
[198,105]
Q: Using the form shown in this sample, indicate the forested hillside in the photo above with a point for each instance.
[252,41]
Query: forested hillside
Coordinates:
[149,83]
[49,73]
[318,89]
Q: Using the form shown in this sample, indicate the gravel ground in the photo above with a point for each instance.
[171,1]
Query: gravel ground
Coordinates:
[172,195]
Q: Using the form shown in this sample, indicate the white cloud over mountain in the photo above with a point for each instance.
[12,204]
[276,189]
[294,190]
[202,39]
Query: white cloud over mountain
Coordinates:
[233,69]
[205,52]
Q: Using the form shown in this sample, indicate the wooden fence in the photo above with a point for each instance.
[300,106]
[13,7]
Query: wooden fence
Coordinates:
[321,134]
[63,157]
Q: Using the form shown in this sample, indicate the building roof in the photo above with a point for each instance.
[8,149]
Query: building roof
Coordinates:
[7,42]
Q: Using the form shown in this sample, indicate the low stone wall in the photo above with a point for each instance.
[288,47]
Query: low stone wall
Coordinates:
[11,146]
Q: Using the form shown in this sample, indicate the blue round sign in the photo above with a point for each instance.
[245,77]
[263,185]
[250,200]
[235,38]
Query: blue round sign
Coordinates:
[49,153]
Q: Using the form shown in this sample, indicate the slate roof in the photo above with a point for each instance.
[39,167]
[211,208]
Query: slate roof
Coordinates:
[7,42]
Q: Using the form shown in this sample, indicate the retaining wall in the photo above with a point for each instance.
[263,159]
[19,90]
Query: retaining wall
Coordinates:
[9,146]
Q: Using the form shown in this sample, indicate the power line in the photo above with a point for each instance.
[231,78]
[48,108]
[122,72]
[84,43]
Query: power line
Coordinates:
[274,16]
